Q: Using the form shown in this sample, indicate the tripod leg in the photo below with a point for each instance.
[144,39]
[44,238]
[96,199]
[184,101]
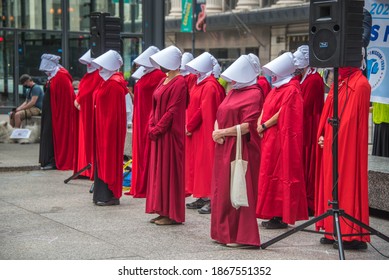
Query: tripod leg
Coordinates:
[339,235]
[294,230]
[77,173]
[92,188]
[363,225]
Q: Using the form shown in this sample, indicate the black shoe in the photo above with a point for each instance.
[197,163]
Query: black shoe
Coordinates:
[114,201]
[326,241]
[196,204]
[351,245]
[206,209]
[49,166]
[274,223]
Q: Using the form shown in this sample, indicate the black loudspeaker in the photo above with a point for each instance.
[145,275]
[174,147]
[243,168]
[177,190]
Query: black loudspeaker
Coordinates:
[105,33]
[335,33]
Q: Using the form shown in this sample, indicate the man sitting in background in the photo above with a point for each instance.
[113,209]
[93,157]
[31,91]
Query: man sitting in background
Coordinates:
[33,104]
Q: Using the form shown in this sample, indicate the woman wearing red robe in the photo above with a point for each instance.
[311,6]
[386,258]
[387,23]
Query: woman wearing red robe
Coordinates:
[264,84]
[110,127]
[353,102]
[312,89]
[205,97]
[281,188]
[166,189]
[143,92]
[58,116]
[84,103]
[242,106]
[189,77]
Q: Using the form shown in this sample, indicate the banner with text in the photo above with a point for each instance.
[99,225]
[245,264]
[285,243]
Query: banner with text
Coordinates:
[187,14]
[378,50]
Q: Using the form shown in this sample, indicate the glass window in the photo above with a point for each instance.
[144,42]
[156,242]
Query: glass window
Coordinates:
[132,16]
[32,46]
[10,15]
[7,55]
[132,48]
[31,14]
[53,15]
[108,6]
[79,11]
[78,45]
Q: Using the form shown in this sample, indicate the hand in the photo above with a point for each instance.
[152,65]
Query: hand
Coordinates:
[321,141]
[187,132]
[76,104]
[260,130]
[220,141]
[218,136]
[153,134]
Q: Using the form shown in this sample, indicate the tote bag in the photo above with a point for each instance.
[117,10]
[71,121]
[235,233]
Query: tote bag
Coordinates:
[238,191]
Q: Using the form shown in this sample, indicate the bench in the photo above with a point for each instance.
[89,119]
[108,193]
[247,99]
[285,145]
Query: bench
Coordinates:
[379,183]
[33,120]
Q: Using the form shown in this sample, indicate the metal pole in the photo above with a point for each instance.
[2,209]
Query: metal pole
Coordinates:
[65,34]
[194,4]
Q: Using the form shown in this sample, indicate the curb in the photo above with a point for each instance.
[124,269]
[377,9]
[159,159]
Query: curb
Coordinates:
[19,168]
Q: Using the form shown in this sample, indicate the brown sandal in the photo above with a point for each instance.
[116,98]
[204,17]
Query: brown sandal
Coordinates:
[166,221]
[156,219]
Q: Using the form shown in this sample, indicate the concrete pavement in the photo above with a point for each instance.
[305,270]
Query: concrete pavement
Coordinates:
[43,218]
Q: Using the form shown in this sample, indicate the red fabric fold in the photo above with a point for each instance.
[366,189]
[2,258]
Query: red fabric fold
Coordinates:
[313,94]
[110,127]
[143,92]
[230,225]
[165,184]
[63,118]
[83,147]
[353,103]
[205,99]
[281,189]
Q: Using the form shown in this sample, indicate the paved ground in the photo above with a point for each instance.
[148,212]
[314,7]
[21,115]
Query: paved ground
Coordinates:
[43,218]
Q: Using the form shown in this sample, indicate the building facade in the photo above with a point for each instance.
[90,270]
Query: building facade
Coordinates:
[235,27]
[29,28]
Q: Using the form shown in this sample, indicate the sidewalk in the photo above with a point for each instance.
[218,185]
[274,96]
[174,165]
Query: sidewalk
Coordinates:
[43,218]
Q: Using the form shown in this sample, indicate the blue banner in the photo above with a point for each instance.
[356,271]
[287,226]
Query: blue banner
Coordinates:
[378,50]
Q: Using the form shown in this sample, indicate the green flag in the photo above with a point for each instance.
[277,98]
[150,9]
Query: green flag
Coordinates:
[186,20]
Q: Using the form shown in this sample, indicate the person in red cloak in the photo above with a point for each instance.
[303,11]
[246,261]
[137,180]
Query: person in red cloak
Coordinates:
[166,189]
[189,77]
[84,103]
[58,116]
[143,92]
[205,97]
[281,188]
[242,106]
[264,84]
[353,102]
[109,130]
[312,89]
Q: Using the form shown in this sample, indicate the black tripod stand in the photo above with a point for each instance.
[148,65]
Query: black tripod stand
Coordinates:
[75,175]
[335,211]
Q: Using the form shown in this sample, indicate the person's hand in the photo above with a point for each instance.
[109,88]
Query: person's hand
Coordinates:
[187,132]
[321,141]
[218,136]
[153,134]
[260,130]
[76,104]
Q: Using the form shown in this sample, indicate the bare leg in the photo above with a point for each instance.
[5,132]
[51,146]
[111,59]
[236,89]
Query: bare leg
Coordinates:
[18,119]
[12,119]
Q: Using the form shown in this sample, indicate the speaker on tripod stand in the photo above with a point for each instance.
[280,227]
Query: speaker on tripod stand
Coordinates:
[336,41]
[335,37]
